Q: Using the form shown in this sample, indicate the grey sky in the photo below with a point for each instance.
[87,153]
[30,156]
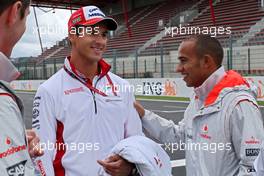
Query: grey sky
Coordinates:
[53,27]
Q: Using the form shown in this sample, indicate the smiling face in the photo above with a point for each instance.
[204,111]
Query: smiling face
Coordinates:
[90,45]
[190,66]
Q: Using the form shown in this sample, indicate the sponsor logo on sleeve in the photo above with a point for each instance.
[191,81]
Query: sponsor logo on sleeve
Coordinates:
[252,140]
[41,168]
[17,169]
[251,169]
[189,136]
[158,161]
[252,152]
[8,141]
[11,149]
[35,113]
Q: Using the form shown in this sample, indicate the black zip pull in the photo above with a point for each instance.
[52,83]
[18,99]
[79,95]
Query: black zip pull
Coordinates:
[95,105]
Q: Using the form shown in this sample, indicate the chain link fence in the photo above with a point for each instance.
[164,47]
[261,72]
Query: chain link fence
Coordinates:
[160,60]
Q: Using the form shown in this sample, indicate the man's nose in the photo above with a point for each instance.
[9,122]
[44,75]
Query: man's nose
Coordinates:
[179,68]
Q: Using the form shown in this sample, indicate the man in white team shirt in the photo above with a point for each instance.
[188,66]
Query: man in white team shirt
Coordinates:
[80,105]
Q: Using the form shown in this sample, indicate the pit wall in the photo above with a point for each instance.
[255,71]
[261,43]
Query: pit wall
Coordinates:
[149,87]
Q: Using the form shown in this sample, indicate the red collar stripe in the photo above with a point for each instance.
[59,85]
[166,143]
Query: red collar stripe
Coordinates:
[231,79]
[93,89]
[111,84]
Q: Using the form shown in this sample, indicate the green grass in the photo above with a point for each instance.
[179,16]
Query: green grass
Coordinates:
[25,90]
[162,98]
[261,103]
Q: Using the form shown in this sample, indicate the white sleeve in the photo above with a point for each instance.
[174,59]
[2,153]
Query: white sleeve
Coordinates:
[247,135]
[133,124]
[165,131]
[259,162]
[44,124]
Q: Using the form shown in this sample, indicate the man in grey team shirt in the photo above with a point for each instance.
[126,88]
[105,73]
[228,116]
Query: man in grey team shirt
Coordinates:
[16,143]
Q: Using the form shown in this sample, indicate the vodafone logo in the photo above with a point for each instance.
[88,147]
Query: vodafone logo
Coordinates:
[8,141]
[204,133]
[11,149]
[205,128]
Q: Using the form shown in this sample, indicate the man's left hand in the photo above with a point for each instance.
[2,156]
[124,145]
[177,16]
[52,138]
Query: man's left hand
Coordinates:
[116,166]
[33,143]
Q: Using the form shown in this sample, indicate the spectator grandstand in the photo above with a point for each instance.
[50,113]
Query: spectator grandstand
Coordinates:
[144,50]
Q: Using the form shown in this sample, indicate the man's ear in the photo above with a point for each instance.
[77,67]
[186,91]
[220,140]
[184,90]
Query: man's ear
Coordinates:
[14,13]
[70,36]
[208,61]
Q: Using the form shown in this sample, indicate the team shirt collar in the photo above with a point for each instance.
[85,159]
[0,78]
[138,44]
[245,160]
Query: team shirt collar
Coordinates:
[8,71]
[203,91]
[104,68]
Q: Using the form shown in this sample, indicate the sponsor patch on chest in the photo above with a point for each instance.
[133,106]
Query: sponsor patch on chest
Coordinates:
[205,132]
[74,90]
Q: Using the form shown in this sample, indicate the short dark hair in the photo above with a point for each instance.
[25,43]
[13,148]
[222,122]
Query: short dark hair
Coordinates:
[205,44]
[7,3]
